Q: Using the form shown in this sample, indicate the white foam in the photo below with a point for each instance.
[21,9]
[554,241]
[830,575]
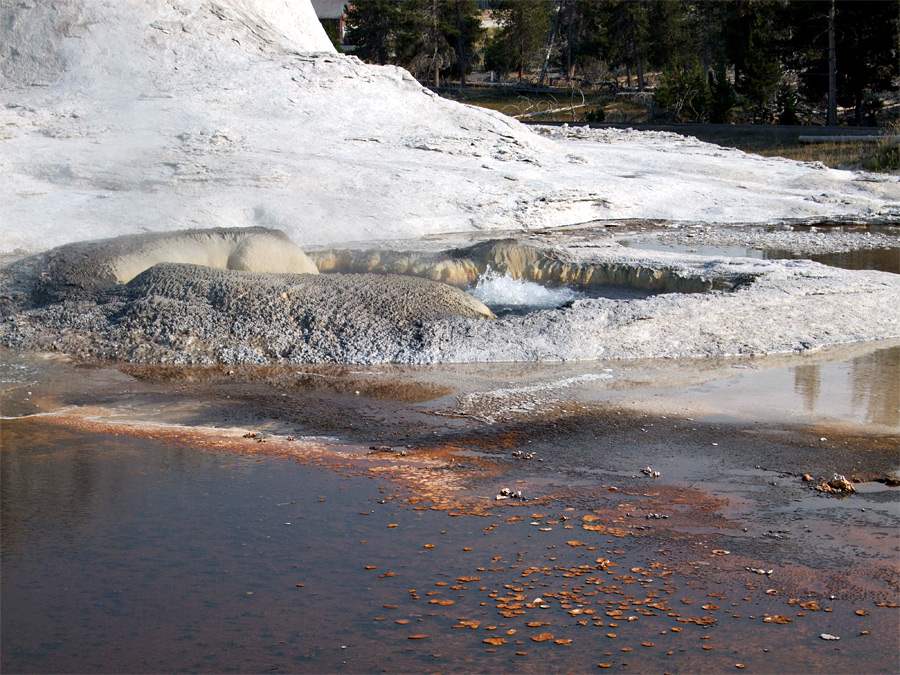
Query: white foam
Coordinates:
[502,291]
[549,386]
[501,404]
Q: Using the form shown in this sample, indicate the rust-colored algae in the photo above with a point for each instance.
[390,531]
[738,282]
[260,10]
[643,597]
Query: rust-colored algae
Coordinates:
[414,474]
[542,637]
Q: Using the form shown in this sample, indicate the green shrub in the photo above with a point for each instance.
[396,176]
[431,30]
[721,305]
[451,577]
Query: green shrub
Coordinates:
[595,115]
[722,96]
[786,105]
[684,93]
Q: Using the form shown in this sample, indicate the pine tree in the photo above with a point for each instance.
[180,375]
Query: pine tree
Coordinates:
[867,52]
[524,25]
[437,38]
[628,27]
[421,39]
[371,26]
[581,35]
[754,31]
[722,96]
[464,33]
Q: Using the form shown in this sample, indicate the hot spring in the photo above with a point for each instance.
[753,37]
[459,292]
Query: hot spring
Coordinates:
[506,295]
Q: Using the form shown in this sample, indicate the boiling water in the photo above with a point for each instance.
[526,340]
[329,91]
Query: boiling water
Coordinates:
[506,295]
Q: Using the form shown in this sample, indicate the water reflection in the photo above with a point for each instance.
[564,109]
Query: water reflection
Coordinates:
[122,554]
[882,402]
[178,559]
[57,492]
[871,382]
[807,384]
[58,481]
[883,259]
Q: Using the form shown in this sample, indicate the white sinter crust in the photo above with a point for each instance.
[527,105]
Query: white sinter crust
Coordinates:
[160,115]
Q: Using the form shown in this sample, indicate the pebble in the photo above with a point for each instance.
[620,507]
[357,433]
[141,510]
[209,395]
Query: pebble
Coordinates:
[759,570]
[506,493]
[839,482]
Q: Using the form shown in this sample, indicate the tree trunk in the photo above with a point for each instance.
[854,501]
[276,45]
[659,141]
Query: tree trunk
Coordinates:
[832,71]
[707,58]
[521,59]
[460,45]
[570,37]
[435,35]
[551,37]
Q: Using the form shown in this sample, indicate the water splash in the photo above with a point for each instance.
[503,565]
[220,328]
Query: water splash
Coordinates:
[506,295]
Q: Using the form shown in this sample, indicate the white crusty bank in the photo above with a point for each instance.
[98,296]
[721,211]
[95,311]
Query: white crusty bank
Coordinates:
[132,116]
[147,117]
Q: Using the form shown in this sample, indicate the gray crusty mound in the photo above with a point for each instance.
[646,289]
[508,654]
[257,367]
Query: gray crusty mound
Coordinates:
[177,313]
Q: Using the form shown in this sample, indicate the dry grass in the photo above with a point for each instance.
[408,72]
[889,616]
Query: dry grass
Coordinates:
[835,155]
[882,156]
[562,106]
[783,141]
[771,141]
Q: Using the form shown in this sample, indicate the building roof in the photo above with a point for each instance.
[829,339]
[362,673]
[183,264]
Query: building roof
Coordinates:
[329,9]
